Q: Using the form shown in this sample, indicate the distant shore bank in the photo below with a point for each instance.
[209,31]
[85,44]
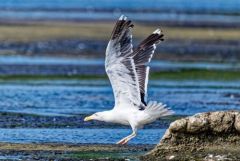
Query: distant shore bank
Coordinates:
[89,39]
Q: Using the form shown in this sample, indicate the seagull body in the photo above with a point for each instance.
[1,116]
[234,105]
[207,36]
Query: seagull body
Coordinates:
[128,71]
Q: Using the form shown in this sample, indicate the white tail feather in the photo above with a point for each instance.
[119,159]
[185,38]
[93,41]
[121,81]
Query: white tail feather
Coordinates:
[156,110]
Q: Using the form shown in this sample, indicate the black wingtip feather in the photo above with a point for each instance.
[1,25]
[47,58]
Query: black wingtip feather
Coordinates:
[121,25]
[154,38]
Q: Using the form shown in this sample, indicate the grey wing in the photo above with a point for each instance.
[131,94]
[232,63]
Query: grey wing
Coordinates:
[142,56]
[119,64]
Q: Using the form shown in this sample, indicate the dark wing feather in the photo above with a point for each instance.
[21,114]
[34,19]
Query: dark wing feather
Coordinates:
[120,66]
[142,56]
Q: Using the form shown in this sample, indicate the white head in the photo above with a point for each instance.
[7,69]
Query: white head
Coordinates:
[100,116]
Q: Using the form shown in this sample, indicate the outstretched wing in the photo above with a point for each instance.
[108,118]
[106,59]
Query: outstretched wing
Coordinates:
[119,64]
[142,56]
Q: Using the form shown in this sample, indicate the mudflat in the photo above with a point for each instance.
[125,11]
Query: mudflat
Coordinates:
[56,151]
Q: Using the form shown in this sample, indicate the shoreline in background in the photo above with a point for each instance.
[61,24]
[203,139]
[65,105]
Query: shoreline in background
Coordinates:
[89,40]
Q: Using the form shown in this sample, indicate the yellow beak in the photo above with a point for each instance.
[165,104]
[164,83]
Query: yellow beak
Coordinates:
[88,118]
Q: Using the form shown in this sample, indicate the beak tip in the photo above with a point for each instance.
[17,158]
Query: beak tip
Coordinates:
[87,118]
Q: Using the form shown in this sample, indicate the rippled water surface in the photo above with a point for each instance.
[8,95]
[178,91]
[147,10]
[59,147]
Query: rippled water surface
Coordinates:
[110,136]
[142,4]
[57,99]
[70,97]
[41,60]
[90,10]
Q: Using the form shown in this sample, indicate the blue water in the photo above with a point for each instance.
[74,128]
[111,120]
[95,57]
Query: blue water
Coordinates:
[46,15]
[64,98]
[41,60]
[164,10]
[73,97]
[70,97]
[173,5]
[109,136]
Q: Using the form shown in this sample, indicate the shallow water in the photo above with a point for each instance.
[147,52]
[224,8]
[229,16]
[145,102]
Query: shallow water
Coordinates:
[76,97]
[185,98]
[71,97]
[142,4]
[109,136]
[43,15]
[48,60]
[73,9]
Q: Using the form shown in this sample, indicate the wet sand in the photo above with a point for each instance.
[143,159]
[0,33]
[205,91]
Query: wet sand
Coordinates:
[55,151]
[89,39]
[30,31]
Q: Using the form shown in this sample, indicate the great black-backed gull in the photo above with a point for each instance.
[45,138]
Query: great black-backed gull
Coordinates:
[128,71]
